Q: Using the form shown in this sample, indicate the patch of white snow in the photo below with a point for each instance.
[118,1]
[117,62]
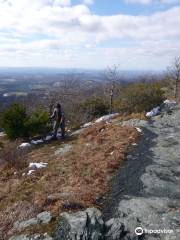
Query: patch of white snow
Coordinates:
[49,137]
[36,142]
[139,130]
[87,125]
[38,165]
[30,172]
[2,134]
[25,145]
[106,117]
[167,101]
[155,111]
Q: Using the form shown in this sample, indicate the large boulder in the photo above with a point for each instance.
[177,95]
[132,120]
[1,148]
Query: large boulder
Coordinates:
[81,225]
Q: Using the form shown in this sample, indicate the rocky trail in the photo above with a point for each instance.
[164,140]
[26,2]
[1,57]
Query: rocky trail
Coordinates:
[144,199]
[150,180]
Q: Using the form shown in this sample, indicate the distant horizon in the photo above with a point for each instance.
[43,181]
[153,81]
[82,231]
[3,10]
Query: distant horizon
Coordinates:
[79,69]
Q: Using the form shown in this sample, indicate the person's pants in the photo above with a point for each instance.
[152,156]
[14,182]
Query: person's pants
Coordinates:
[62,126]
[56,127]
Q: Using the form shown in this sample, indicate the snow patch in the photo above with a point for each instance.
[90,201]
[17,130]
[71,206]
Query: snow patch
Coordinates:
[139,130]
[155,111]
[36,142]
[48,138]
[103,118]
[38,165]
[167,101]
[87,125]
[30,172]
[2,134]
[25,145]
[134,144]
[106,117]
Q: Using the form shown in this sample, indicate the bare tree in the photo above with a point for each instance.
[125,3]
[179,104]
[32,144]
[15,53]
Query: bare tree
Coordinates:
[113,78]
[174,71]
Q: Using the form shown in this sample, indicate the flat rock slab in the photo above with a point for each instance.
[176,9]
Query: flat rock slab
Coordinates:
[147,213]
[57,196]
[135,123]
[32,237]
[41,218]
[63,150]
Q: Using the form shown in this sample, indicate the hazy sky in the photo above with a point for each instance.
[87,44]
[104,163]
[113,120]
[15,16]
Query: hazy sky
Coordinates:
[136,34]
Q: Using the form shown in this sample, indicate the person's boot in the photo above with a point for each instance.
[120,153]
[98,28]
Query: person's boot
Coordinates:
[54,137]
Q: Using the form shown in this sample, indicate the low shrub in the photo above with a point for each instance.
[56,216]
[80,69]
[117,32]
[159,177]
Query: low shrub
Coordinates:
[94,107]
[17,124]
[140,97]
[13,121]
[37,123]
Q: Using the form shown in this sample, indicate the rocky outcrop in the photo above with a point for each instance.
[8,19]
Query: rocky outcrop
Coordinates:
[82,225]
[148,213]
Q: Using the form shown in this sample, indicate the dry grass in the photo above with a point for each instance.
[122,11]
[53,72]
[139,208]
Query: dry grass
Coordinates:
[141,116]
[13,157]
[20,210]
[82,175]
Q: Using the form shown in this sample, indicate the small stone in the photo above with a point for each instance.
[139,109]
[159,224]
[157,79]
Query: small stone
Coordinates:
[44,217]
[57,196]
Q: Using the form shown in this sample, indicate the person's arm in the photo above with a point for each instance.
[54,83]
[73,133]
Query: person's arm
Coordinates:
[54,114]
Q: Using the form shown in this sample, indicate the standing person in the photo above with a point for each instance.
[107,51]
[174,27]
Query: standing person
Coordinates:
[59,121]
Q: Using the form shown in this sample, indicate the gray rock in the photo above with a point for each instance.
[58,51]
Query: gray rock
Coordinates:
[44,217]
[63,150]
[57,196]
[167,107]
[115,229]
[147,213]
[20,237]
[82,225]
[32,237]
[135,123]
[24,224]
[41,218]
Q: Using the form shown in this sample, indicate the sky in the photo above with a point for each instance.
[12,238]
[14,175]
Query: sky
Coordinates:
[91,34]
